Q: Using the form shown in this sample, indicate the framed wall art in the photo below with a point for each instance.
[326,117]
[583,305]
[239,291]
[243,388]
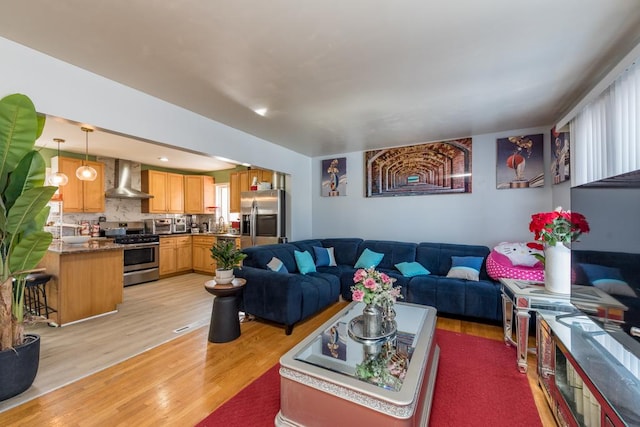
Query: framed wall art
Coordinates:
[334,177]
[559,156]
[415,170]
[520,162]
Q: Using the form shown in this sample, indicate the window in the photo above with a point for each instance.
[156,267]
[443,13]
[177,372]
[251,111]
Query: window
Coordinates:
[605,133]
[222,201]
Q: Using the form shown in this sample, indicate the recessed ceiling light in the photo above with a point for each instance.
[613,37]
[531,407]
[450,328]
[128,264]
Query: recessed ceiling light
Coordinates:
[163,159]
[260,111]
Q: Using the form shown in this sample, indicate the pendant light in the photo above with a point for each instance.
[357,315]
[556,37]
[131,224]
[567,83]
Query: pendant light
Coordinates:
[86,172]
[58,179]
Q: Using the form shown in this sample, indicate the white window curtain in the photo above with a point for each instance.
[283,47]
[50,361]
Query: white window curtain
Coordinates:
[605,135]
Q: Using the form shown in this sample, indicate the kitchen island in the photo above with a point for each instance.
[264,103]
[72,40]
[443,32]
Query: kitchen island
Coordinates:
[87,279]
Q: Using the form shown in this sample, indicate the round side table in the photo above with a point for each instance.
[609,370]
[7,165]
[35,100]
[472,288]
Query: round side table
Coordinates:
[225,322]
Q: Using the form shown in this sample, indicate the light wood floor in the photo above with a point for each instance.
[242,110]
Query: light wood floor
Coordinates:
[181,382]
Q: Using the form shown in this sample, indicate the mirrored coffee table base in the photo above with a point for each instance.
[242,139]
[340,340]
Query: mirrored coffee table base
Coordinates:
[322,381]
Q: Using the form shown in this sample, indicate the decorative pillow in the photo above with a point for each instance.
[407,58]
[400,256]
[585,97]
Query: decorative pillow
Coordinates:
[276,265]
[368,259]
[410,269]
[324,257]
[608,279]
[465,267]
[519,253]
[305,263]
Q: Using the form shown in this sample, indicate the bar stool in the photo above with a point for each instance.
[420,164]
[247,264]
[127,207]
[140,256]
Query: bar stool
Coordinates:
[35,294]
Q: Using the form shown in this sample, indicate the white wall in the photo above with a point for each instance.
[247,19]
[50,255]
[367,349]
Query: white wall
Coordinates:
[63,90]
[486,216]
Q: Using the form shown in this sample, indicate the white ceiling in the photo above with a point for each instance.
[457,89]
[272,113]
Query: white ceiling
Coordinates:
[107,143]
[343,75]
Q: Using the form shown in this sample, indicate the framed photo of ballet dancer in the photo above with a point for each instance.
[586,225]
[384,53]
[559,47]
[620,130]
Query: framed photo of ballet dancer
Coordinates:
[520,162]
[559,156]
[334,177]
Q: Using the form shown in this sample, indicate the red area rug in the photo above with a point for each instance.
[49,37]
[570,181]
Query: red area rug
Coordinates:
[477,385]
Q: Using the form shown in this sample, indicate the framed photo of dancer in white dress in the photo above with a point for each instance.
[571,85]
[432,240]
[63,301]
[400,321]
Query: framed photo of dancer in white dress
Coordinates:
[334,177]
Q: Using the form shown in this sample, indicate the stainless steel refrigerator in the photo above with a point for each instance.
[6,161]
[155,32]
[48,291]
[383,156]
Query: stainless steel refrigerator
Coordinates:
[262,217]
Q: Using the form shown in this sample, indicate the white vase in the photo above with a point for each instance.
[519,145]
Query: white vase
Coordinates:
[557,269]
[224,277]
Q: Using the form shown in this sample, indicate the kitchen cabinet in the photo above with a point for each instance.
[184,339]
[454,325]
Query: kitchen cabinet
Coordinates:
[84,284]
[202,261]
[199,194]
[77,195]
[234,192]
[175,255]
[167,190]
[241,181]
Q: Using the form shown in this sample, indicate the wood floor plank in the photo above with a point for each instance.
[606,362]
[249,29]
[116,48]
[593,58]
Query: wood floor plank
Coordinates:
[181,382]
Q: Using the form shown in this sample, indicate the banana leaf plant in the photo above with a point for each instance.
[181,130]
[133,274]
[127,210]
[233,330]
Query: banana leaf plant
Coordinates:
[23,210]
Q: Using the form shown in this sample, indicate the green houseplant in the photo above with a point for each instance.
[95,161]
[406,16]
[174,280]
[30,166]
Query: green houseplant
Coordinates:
[227,256]
[23,241]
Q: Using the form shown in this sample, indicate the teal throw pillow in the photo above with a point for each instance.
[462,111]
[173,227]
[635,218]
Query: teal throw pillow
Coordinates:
[324,257]
[410,269]
[465,267]
[305,263]
[607,279]
[368,259]
[277,265]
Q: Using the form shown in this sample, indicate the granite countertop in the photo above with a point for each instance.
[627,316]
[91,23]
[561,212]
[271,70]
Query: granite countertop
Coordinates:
[93,245]
[202,234]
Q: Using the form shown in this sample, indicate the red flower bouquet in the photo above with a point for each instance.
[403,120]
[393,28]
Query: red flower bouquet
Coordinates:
[558,226]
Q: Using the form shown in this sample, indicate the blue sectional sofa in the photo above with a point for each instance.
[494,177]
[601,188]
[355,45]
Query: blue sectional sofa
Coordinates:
[289,297]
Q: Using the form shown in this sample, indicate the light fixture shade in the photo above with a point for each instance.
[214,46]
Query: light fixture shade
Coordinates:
[86,173]
[58,179]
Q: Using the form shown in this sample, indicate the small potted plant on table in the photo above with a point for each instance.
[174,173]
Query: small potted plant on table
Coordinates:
[227,256]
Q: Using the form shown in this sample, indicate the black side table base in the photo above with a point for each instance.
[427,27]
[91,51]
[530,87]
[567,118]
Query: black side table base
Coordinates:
[225,324]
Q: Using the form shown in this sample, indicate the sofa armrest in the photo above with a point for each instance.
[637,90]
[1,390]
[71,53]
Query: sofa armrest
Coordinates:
[271,295]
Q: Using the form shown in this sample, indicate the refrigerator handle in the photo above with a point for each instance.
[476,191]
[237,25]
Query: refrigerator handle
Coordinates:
[254,214]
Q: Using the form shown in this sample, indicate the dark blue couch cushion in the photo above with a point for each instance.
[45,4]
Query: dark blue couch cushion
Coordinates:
[345,249]
[394,252]
[422,290]
[259,256]
[307,245]
[436,257]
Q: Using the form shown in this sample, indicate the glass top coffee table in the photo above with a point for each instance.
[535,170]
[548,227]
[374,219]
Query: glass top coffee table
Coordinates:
[335,377]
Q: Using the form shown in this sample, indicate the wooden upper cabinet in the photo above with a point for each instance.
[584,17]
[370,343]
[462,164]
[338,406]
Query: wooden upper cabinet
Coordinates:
[77,195]
[265,175]
[241,181]
[167,190]
[175,193]
[234,190]
[244,181]
[199,194]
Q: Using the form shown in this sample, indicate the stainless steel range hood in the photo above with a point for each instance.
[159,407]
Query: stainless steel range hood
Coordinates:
[122,182]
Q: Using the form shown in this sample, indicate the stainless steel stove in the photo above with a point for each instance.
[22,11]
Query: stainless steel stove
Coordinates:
[141,251]
[137,239]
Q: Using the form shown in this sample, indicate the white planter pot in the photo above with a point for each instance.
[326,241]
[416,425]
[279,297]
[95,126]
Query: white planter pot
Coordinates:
[557,269]
[224,277]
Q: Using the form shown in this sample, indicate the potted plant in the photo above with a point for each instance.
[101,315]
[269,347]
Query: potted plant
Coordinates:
[227,256]
[23,241]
